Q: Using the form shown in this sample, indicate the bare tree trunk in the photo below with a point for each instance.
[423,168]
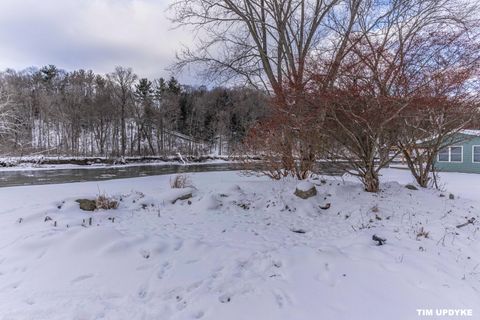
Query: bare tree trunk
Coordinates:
[370,180]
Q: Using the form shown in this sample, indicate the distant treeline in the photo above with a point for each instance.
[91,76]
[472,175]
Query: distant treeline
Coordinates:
[81,113]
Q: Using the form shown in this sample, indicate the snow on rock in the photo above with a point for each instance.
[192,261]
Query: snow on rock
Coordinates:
[305,185]
[305,189]
[230,253]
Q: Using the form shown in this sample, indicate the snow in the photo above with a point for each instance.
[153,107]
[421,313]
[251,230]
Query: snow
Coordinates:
[465,185]
[305,185]
[230,252]
[470,132]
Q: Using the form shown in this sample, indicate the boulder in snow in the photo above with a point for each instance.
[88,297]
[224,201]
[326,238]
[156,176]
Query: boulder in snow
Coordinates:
[175,195]
[183,197]
[305,190]
[411,187]
[87,205]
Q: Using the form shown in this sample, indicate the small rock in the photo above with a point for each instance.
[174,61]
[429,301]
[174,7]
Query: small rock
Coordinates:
[451,196]
[411,187]
[326,207]
[224,298]
[305,190]
[87,205]
[380,241]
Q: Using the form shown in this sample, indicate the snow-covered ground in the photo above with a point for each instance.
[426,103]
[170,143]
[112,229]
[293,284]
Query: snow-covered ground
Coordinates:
[463,184]
[242,247]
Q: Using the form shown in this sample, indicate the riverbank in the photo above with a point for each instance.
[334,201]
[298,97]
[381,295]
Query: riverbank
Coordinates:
[60,162]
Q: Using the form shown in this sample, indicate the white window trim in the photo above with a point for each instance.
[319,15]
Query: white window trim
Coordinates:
[450,155]
[473,154]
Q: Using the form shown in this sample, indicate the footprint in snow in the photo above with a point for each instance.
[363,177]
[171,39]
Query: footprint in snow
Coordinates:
[178,245]
[181,305]
[198,315]
[142,291]
[217,273]
[165,267]
[194,286]
[279,300]
[41,254]
[225,298]
[145,254]
[14,285]
[192,261]
[82,278]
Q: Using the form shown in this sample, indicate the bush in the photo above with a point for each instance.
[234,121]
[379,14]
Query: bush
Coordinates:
[105,202]
[180,181]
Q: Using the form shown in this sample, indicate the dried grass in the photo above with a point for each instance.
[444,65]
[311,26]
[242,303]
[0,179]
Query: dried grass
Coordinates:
[180,181]
[103,201]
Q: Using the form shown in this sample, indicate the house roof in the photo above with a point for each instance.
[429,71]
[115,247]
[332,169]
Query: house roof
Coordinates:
[470,132]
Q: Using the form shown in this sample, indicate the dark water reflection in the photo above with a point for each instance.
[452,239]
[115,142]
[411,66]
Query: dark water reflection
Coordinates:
[52,176]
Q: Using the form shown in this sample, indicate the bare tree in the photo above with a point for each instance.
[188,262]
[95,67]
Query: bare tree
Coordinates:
[289,138]
[6,115]
[122,80]
[266,42]
[428,129]
[385,74]
[437,116]
[362,130]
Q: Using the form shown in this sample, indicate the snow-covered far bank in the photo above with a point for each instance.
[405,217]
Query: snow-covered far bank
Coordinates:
[240,248]
[49,163]
[31,167]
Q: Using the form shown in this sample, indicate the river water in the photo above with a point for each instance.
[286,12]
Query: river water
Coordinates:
[53,176]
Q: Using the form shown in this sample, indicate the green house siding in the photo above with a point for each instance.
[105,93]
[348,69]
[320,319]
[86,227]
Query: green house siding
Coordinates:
[466,165]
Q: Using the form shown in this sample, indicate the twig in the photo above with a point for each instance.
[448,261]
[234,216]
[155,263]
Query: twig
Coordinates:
[469,221]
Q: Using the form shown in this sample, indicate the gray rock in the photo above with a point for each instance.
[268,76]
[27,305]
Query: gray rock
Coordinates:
[305,193]
[183,197]
[411,187]
[87,204]
[451,196]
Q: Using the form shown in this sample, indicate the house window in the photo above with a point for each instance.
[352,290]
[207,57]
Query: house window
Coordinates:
[452,154]
[456,154]
[476,154]
[443,155]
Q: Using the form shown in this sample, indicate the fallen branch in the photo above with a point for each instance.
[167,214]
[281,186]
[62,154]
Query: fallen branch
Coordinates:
[469,221]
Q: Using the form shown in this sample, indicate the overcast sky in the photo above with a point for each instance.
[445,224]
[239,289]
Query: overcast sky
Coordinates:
[89,34]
